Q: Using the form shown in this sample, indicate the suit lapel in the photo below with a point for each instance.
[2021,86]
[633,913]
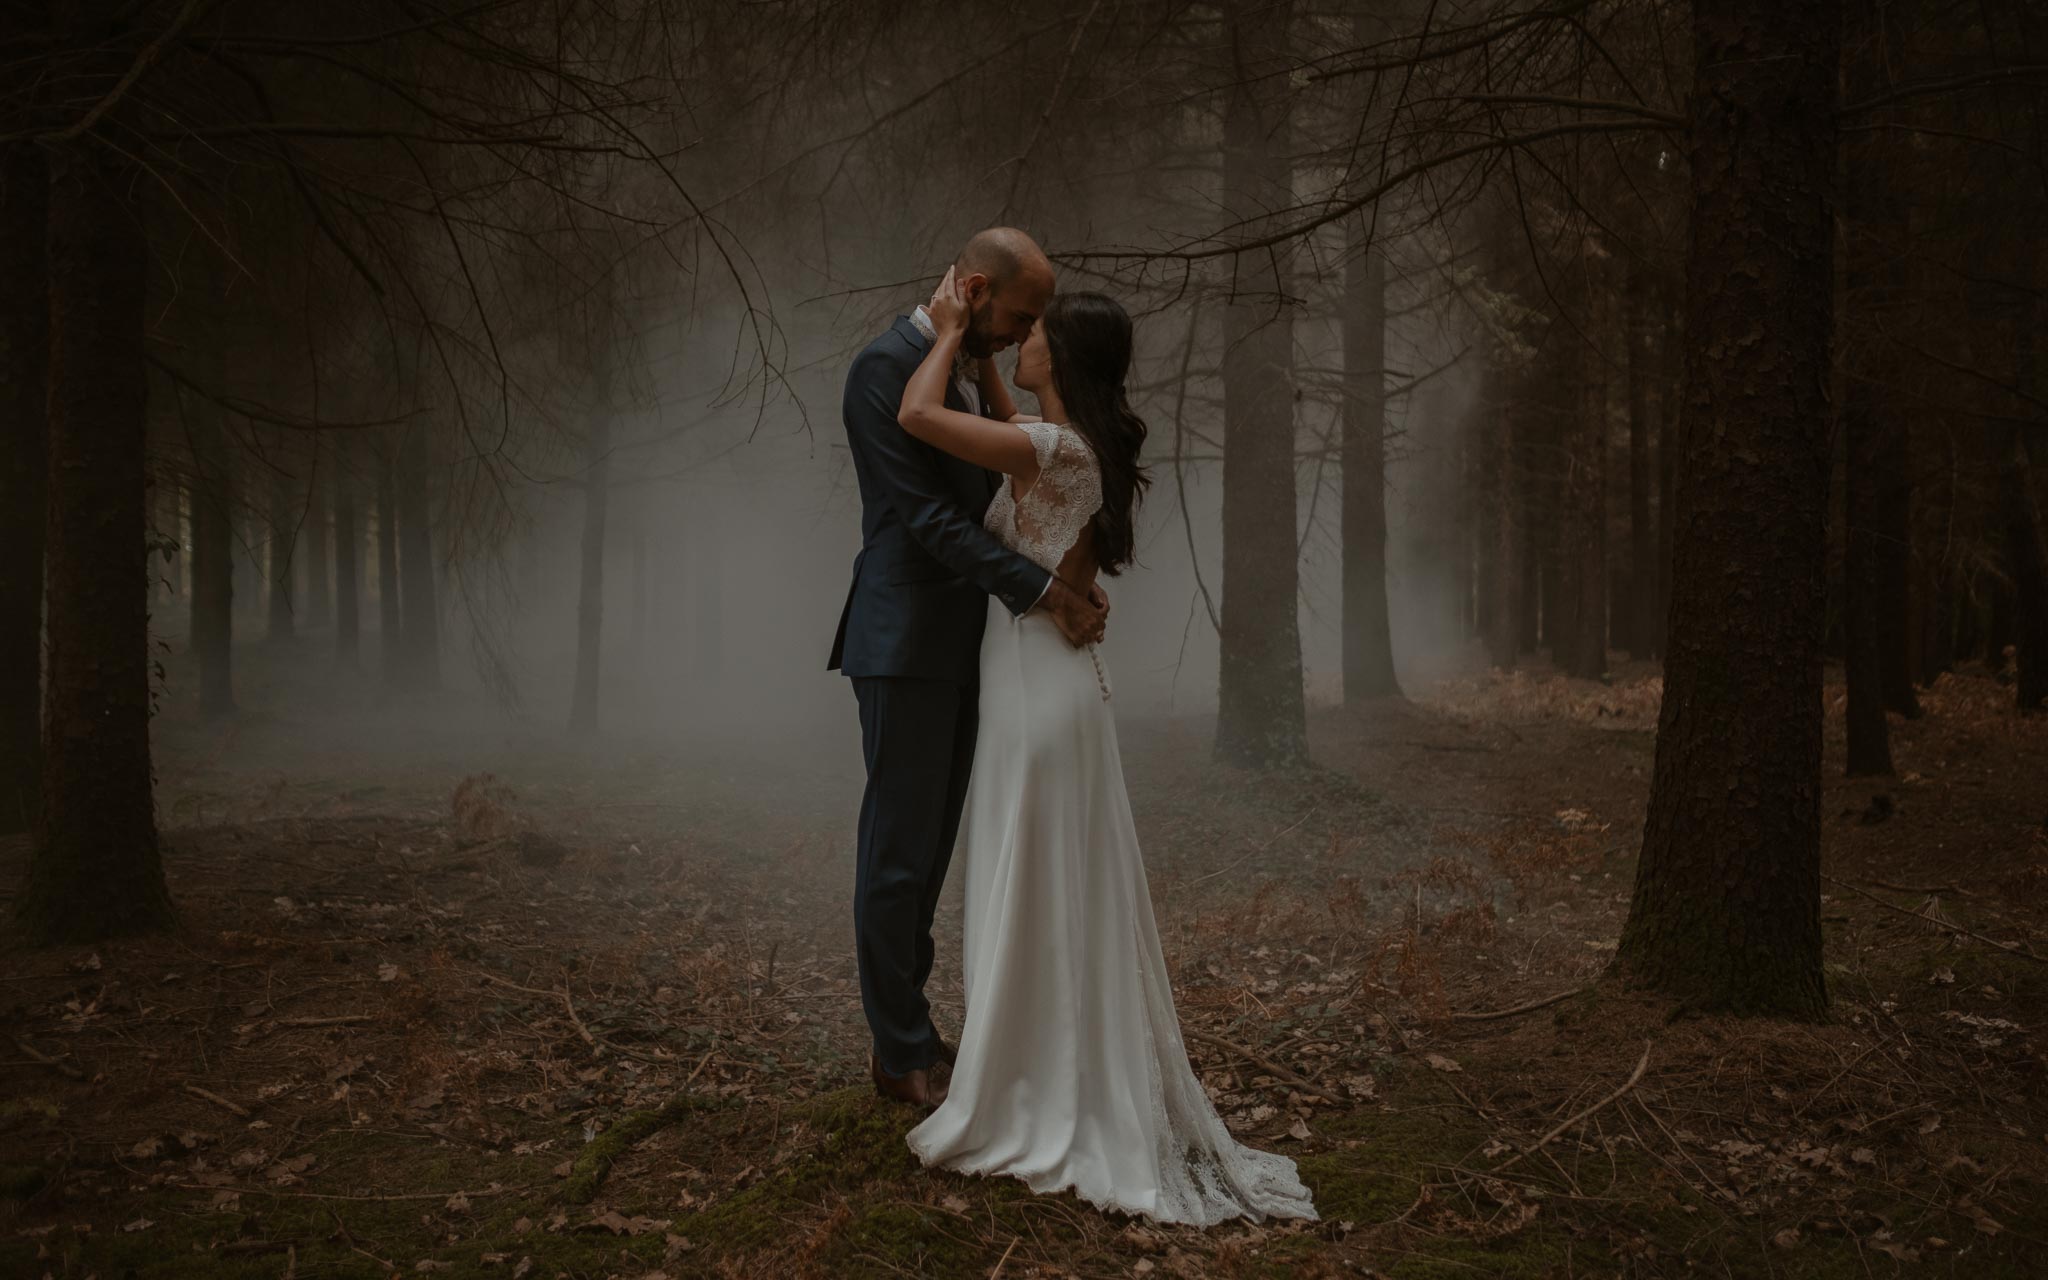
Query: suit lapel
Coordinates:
[975,485]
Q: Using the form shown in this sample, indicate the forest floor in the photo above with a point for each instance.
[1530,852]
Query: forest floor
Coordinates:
[471,1002]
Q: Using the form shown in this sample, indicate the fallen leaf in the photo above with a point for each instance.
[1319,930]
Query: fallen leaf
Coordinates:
[1439,1062]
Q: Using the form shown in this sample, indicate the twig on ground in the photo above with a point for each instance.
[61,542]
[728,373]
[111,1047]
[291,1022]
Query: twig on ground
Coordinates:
[1282,834]
[1641,1064]
[337,1020]
[59,1065]
[597,1043]
[1531,1007]
[218,1101]
[1930,889]
[1270,1067]
[2010,948]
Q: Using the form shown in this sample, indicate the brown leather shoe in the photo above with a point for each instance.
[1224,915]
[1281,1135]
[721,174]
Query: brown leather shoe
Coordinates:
[913,1087]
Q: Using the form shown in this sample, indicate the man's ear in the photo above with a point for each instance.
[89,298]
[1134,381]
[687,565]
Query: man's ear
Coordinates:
[976,287]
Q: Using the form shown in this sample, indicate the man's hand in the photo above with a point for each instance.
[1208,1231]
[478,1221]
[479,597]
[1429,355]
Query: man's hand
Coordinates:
[1078,617]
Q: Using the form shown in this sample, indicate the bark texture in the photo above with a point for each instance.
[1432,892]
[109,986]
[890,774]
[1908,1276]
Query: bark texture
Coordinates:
[94,866]
[24,362]
[1261,717]
[1368,646]
[1726,907]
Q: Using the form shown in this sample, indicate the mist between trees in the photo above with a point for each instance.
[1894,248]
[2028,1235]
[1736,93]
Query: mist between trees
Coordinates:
[494,350]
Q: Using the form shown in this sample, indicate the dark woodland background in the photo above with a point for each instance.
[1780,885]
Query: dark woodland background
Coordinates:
[1582,685]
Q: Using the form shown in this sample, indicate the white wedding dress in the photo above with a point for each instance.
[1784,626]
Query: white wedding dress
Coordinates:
[1071,1071]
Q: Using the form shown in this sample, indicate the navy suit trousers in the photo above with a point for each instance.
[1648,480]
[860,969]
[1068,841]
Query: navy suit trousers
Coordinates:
[918,740]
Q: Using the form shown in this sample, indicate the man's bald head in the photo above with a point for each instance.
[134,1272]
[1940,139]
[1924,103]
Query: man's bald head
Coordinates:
[1002,254]
[1008,281]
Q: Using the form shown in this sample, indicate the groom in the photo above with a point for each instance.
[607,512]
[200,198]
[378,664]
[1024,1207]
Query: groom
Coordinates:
[910,639]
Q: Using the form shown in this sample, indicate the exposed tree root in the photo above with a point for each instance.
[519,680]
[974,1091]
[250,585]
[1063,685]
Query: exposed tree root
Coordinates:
[595,1164]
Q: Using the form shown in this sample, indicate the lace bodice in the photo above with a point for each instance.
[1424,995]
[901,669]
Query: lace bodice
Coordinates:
[1044,526]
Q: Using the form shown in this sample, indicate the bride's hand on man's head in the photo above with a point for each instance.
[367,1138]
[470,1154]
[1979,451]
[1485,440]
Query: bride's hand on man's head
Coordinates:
[948,307]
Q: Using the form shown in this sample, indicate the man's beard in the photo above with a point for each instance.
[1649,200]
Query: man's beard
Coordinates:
[980,339]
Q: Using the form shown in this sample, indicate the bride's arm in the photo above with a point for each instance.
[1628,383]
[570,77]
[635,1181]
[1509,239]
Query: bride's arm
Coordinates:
[999,446]
[995,393]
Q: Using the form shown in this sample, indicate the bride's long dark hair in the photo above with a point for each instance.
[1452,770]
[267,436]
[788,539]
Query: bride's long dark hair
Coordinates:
[1088,336]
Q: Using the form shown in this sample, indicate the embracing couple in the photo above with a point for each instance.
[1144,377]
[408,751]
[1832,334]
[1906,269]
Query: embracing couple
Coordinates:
[969,635]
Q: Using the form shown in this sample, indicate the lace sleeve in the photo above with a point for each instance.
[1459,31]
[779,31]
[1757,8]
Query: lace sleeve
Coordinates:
[1066,495]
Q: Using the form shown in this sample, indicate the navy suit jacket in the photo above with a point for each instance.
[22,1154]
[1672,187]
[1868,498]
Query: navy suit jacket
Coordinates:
[926,566]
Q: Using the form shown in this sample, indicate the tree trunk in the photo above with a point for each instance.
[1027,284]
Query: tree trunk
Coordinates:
[1368,647]
[1503,623]
[590,599]
[1642,534]
[1880,560]
[390,607]
[284,536]
[24,475]
[213,555]
[1261,719]
[1933,596]
[422,642]
[347,620]
[1863,598]
[1865,418]
[2026,551]
[1726,908]
[1670,444]
[319,582]
[1585,494]
[94,868]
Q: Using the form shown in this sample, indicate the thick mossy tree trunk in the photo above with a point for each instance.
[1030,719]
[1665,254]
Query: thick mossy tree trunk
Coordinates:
[347,616]
[421,665]
[24,467]
[1726,909]
[1261,717]
[94,869]
[1368,646]
[590,599]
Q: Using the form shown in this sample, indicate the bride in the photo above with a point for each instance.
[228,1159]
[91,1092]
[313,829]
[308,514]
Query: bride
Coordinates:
[1071,1072]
